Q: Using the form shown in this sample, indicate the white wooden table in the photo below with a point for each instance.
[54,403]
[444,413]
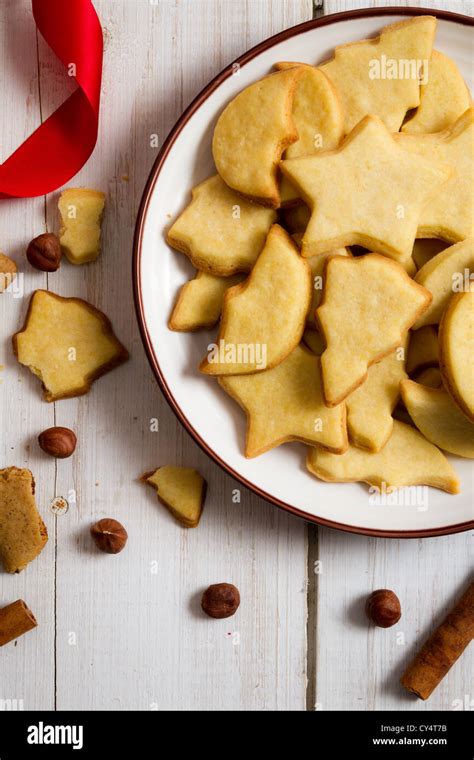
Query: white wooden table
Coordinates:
[125,632]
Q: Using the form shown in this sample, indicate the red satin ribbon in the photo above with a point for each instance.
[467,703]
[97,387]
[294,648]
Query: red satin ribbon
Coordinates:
[61,146]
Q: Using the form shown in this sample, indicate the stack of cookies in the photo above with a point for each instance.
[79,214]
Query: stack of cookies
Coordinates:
[334,246]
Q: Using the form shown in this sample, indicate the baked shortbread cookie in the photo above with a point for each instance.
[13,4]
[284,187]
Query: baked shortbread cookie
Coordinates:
[182,490]
[449,214]
[8,272]
[381,76]
[369,192]
[439,419]
[317,265]
[23,533]
[444,274]
[423,349]
[199,302]
[67,343]
[81,212]
[221,232]
[317,116]
[286,404]
[370,406]
[263,318]
[425,248]
[456,345]
[443,98]
[313,339]
[252,133]
[407,459]
[369,303]
[431,377]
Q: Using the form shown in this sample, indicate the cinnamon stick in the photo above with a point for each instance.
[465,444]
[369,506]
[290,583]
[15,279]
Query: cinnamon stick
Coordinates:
[442,649]
[15,620]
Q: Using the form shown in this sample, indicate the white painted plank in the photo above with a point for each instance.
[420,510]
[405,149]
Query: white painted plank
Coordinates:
[139,639]
[358,666]
[27,670]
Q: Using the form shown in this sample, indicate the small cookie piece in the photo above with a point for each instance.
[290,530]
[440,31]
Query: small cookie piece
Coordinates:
[442,275]
[199,303]
[67,343]
[407,459]
[23,533]
[431,377]
[425,248]
[443,98]
[456,346]
[221,232]
[317,265]
[8,272]
[251,134]
[314,340]
[286,404]
[370,406]
[423,349]
[449,214]
[317,116]
[381,76]
[439,419]
[182,490]
[369,303]
[368,192]
[263,318]
[81,214]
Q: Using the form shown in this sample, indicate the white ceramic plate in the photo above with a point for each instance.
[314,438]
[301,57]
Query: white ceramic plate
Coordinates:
[213,419]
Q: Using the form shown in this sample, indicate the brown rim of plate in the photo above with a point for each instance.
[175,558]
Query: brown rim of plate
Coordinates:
[142,212]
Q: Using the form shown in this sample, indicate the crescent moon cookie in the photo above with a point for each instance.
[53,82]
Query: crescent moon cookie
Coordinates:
[67,343]
[252,133]
[439,419]
[445,272]
[449,215]
[263,318]
[286,404]
[443,98]
[370,406]
[407,459]
[317,116]
[221,232]
[369,192]
[199,303]
[456,345]
[369,303]
[381,76]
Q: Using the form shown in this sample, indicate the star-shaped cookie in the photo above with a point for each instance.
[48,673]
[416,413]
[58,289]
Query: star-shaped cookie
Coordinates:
[368,192]
[286,404]
[382,76]
[450,213]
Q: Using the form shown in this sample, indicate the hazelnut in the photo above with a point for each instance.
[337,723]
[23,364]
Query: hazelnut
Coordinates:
[383,608]
[59,442]
[44,252]
[109,535]
[221,600]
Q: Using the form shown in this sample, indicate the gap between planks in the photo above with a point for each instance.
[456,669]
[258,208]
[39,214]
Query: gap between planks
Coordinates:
[55,573]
